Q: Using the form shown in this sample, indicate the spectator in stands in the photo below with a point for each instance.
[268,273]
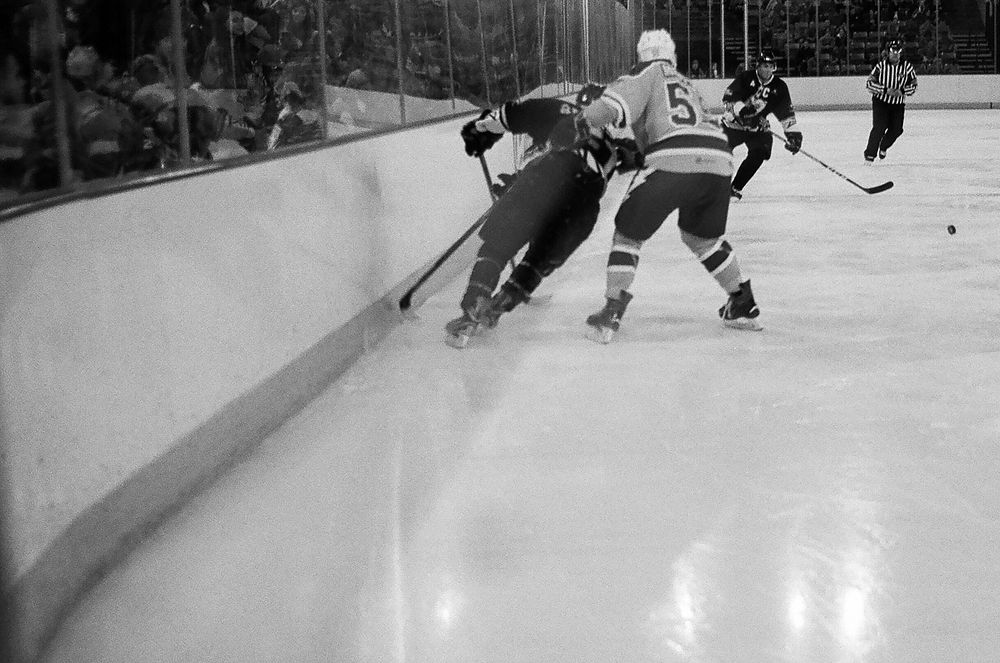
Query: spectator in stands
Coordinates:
[695,70]
[296,123]
[358,80]
[16,129]
[41,167]
[109,136]
[950,67]
[893,27]
[298,35]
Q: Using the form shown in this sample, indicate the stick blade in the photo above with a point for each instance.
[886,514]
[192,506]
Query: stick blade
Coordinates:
[880,188]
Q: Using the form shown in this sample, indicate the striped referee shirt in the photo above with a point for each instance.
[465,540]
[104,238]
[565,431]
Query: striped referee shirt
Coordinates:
[887,77]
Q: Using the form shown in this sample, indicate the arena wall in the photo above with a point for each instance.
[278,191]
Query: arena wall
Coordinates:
[150,337]
[849,93]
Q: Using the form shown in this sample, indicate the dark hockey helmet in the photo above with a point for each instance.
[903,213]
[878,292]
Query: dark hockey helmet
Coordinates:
[766,57]
[586,95]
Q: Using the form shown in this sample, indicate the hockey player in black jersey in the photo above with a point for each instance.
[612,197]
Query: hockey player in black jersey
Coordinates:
[748,100]
[892,80]
[552,204]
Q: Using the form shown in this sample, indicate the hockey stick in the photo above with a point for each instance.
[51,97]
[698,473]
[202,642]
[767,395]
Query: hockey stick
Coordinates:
[867,189]
[489,178]
[407,299]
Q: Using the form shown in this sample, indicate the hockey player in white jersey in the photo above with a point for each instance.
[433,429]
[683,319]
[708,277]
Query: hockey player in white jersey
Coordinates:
[689,165]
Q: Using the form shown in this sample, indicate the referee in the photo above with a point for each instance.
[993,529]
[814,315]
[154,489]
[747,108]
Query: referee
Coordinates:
[891,82]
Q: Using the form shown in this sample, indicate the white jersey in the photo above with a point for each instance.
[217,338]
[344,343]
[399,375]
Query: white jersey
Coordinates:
[671,122]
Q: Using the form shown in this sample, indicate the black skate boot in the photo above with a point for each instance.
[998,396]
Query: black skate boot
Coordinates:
[735,194]
[741,311]
[471,322]
[506,299]
[601,326]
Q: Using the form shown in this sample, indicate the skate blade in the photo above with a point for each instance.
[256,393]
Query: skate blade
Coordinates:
[457,341]
[601,335]
[746,324]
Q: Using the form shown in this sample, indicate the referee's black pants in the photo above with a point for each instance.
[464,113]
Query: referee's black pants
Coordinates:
[887,126]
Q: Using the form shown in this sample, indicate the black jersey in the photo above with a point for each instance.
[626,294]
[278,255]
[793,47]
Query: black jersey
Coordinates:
[534,117]
[538,118]
[771,97]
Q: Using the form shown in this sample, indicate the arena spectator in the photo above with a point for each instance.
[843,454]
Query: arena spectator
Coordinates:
[296,123]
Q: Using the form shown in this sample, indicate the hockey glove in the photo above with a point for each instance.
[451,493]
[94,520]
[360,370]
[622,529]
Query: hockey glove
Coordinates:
[476,141]
[629,156]
[506,181]
[793,141]
[747,112]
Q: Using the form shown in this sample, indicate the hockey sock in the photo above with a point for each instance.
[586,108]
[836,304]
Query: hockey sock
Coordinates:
[525,277]
[622,263]
[482,281]
[716,256]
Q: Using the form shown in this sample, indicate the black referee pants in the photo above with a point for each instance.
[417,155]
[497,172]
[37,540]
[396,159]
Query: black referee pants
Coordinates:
[887,126]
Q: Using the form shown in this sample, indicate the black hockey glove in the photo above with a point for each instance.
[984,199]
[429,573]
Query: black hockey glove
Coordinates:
[793,141]
[748,112]
[629,156]
[506,181]
[476,141]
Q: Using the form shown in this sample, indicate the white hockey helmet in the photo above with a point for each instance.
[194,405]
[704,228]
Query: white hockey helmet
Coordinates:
[656,45]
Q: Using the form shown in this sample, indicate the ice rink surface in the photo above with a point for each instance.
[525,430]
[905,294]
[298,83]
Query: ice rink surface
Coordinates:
[824,491]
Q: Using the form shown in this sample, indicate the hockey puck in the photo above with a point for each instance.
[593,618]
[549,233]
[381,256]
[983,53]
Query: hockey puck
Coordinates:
[951,230]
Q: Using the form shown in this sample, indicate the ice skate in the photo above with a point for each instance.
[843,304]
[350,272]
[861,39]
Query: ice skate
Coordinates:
[741,311]
[505,300]
[735,194]
[869,161]
[601,326]
[881,154]
[471,322]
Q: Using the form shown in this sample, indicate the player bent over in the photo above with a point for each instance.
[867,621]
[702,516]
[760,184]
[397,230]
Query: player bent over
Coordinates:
[748,100]
[552,204]
[689,164]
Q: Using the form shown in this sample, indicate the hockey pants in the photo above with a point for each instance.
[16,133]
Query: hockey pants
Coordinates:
[758,144]
[887,126]
[551,209]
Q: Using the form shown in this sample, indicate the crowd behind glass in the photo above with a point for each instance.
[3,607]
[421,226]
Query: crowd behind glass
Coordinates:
[101,77]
